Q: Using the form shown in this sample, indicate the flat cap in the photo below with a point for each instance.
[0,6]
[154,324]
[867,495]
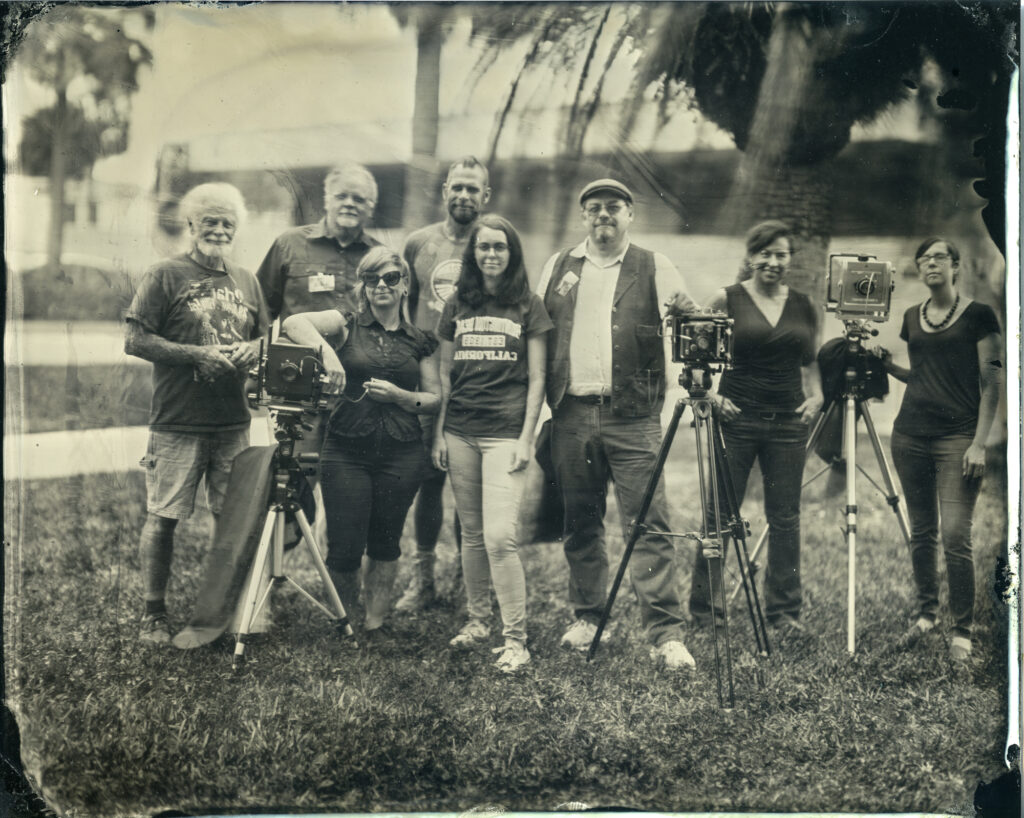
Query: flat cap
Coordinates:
[606,186]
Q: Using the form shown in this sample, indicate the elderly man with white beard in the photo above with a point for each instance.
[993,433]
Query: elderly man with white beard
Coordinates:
[198,318]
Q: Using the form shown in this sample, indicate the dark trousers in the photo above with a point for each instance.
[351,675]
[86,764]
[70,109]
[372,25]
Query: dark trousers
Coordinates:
[368,485]
[589,447]
[778,444]
[938,496]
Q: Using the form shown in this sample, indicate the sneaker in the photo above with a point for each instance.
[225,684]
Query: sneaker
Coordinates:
[580,635]
[673,655]
[154,629]
[922,627]
[513,656]
[472,632]
[960,649]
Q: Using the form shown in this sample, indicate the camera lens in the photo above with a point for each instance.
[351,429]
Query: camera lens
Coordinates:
[866,286]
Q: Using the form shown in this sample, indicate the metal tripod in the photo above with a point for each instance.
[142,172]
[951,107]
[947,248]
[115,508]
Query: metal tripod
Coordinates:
[852,402]
[714,476]
[269,560]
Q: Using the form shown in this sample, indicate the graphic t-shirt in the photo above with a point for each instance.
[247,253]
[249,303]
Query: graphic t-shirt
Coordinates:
[944,387]
[436,262]
[186,303]
[490,373]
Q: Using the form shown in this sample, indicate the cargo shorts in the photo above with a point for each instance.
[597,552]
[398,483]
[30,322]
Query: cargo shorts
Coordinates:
[175,462]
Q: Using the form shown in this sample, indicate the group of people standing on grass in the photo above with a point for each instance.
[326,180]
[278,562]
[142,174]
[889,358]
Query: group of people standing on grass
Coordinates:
[439,359]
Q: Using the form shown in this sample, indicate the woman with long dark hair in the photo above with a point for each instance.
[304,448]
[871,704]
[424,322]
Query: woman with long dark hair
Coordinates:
[938,438]
[492,362]
[372,460]
[766,403]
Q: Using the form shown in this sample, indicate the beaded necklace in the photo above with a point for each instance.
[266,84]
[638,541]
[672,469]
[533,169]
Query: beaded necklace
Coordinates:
[944,321]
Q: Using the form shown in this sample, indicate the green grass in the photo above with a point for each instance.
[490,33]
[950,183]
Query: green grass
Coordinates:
[309,724]
[81,397]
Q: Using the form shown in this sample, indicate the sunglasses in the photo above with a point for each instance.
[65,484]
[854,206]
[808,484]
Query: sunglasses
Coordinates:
[390,278]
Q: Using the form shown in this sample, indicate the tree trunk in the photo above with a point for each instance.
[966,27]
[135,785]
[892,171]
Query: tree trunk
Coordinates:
[58,174]
[771,182]
[422,192]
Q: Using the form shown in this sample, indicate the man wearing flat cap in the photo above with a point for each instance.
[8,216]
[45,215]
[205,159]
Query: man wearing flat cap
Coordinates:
[606,387]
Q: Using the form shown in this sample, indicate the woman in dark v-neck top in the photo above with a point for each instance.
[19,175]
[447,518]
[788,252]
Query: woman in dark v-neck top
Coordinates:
[765,403]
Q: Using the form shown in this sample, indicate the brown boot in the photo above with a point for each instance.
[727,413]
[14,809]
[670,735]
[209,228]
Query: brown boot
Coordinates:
[421,591]
[380,578]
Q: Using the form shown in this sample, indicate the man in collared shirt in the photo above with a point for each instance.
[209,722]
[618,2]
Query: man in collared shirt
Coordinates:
[313,267]
[606,387]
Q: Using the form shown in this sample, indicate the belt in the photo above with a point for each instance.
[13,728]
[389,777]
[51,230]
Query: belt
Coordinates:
[776,415]
[591,400]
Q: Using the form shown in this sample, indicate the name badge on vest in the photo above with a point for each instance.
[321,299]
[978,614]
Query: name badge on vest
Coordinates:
[321,283]
[569,280]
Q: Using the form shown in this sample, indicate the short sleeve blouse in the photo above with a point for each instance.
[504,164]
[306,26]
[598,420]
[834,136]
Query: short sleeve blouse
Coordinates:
[370,351]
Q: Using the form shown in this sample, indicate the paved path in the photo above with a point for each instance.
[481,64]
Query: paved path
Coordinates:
[91,451]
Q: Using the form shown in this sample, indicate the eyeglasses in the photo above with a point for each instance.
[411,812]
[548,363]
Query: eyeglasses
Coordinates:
[939,257]
[767,255]
[498,247]
[391,278]
[594,210]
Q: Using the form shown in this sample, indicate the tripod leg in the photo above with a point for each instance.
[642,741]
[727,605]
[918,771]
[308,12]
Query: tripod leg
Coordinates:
[892,497]
[707,452]
[259,567]
[850,444]
[637,529]
[321,567]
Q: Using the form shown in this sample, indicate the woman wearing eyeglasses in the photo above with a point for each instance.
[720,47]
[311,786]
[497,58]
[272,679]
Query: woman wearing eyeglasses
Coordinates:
[378,364]
[492,361]
[938,438]
[766,403]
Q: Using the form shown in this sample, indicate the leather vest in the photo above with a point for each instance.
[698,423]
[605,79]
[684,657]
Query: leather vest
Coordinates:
[638,351]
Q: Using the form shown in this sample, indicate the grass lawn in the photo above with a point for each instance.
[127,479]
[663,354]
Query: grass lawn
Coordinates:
[309,724]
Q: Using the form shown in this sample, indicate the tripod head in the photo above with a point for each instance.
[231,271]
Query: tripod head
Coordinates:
[289,468]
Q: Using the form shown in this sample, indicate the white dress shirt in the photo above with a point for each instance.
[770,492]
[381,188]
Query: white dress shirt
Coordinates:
[590,347]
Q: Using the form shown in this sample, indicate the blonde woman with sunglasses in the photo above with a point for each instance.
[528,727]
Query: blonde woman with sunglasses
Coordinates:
[379,368]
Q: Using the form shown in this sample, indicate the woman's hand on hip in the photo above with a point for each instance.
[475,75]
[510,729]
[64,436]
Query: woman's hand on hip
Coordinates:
[439,453]
[725,407]
[808,410]
[974,461]
[522,455]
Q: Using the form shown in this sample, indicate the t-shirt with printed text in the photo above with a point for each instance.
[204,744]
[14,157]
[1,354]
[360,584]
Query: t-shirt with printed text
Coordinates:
[490,372]
[186,303]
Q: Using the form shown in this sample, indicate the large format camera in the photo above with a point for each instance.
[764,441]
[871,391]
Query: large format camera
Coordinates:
[859,287]
[701,338]
[289,378]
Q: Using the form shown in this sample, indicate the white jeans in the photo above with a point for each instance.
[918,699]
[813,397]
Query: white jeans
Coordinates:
[487,498]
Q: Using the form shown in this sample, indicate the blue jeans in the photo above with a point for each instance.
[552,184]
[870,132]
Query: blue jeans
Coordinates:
[938,495]
[589,447]
[779,445]
[368,486]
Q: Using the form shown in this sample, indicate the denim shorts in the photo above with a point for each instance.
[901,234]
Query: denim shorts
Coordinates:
[175,461]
